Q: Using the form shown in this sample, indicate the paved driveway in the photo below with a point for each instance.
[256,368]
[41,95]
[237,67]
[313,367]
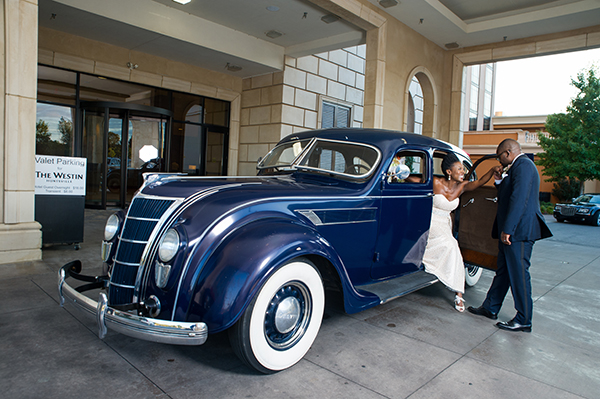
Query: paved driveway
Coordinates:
[417,346]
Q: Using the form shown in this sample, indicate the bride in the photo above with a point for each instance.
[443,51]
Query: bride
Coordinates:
[442,256]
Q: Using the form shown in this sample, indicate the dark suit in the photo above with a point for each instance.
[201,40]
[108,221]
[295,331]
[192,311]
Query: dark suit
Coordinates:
[519,216]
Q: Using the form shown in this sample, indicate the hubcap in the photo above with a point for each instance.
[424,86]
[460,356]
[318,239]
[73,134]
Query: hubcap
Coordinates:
[287,316]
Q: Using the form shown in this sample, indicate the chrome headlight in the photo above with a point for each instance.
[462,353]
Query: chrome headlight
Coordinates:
[169,245]
[584,211]
[112,227]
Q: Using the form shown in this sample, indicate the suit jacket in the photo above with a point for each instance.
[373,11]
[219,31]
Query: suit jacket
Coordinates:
[518,204]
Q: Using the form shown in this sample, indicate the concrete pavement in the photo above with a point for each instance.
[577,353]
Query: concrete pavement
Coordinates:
[417,346]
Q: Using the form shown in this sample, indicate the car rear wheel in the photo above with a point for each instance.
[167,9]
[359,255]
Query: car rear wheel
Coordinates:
[472,274]
[283,319]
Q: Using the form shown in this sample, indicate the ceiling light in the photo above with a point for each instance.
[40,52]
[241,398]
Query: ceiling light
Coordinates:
[451,46]
[329,18]
[388,3]
[182,1]
[273,8]
[233,68]
[273,34]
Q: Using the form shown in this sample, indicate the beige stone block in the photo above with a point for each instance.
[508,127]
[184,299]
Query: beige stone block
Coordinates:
[322,55]
[457,73]
[271,95]
[262,80]
[111,71]
[176,84]
[286,130]
[278,78]
[20,48]
[226,94]
[593,39]
[356,124]
[328,70]
[455,106]
[251,98]
[356,64]
[339,57]
[19,206]
[361,51]
[249,134]
[357,113]
[269,133]
[232,162]
[354,96]
[561,44]
[20,236]
[45,56]
[148,78]
[360,81]
[247,169]
[310,119]
[7,257]
[73,62]
[375,82]
[475,57]
[316,84]
[243,153]
[235,109]
[336,90]
[347,77]
[289,61]
[256,151]
[510,52]
[294,77]
[276,113]
[309,64]
[305,99]
[245,116]
[260,115]
[299,129]
[292,115]
[19,143]
[246,83]
[288,95]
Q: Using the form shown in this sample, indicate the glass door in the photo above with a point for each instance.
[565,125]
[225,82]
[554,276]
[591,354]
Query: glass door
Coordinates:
[121,143]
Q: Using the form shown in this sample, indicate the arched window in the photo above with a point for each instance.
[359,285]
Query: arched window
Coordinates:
[416,105]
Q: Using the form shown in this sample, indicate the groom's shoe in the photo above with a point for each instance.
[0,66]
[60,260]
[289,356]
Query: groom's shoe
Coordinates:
[481,311]
[514,326]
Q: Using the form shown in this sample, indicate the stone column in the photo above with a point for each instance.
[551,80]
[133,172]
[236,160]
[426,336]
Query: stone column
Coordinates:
[20,235]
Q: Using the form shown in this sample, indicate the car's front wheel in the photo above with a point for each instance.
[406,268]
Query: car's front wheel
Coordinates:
[283,319]
[596,219]
[472,274]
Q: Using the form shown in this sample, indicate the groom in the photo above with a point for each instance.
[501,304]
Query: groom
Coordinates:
[519,223]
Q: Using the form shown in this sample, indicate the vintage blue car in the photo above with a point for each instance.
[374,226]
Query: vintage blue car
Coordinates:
[333,215]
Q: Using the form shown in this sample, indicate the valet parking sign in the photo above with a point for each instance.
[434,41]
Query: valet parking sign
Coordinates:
[60,175]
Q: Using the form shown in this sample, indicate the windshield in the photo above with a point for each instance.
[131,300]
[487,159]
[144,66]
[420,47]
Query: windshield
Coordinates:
[341,158]
[282,156]
[592,199]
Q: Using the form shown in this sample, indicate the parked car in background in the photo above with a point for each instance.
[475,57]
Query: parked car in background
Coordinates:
[329,219]
[585,208]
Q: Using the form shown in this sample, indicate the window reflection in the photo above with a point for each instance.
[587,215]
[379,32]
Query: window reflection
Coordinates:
[54,130]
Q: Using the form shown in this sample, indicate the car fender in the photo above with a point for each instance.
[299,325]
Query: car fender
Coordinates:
[219,291]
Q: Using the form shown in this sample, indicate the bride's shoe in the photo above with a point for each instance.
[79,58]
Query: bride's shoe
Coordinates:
[459,303]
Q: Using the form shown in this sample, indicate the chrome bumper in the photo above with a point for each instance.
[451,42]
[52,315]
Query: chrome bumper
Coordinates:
[155,330]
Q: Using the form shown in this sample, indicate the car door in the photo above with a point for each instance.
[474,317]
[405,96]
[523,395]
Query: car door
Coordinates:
[474,220]
[405,214]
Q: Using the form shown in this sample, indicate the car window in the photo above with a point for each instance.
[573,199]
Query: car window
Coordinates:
[341,158]
[408,167]
[282,156]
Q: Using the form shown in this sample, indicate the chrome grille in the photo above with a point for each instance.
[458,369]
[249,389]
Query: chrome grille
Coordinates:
[568,211]
[142,218]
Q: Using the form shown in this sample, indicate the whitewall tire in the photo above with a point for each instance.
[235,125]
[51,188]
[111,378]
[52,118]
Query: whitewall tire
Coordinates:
[472,274]
[283,319]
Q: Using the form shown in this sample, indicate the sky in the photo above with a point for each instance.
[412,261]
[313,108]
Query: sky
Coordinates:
[540,85]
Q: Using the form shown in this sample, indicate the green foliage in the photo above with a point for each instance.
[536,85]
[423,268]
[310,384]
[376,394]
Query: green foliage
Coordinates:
[45,145]
[566,189]
[547,207]
[573,149]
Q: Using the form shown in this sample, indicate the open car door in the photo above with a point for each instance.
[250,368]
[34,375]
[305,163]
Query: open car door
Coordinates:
[476,214]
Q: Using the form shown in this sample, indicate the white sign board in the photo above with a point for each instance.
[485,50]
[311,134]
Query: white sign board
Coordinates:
[60,175]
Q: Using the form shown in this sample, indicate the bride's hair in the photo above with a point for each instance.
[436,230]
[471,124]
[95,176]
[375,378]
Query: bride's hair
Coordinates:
[449,160]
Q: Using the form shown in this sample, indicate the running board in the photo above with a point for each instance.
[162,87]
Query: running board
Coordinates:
[400,286]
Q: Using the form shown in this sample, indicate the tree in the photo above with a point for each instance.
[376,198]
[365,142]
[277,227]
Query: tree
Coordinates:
[65,127]
[42,132]
[573,149]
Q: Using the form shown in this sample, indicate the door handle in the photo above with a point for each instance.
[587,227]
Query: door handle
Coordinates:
[495,199]
[469,202]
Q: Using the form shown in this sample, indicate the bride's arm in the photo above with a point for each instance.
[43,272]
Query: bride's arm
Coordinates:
[472,185]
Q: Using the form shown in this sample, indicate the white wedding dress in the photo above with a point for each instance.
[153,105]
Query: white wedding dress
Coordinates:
[442,256]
